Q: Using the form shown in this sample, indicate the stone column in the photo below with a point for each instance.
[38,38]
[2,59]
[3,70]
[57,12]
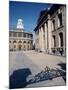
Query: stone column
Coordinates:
[39,38]
[49,34]
[36,38]
[45,26]
[42,40]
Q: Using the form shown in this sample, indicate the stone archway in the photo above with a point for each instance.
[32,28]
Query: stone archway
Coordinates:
[24,45]
[20,45]
[14,45]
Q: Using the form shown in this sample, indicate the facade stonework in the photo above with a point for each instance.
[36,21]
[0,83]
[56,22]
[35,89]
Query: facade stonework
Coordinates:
[19,39]
[50,32]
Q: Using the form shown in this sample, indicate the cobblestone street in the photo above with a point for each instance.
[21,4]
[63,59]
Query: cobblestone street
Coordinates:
[23,64]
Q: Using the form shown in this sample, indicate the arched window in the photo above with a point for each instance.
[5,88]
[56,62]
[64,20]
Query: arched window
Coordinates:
[24,42]
[28,42]
[61,39]
[14,41]
[20,47]
[20,41]
[53,22]
[60,19]
[54,41]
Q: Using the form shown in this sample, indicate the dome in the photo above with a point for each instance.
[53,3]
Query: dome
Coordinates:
[20,20]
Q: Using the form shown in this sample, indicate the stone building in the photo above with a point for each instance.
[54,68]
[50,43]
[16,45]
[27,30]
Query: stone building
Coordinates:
[20,39]
[50,32]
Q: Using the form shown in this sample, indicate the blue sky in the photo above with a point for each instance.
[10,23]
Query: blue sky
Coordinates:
[27,11]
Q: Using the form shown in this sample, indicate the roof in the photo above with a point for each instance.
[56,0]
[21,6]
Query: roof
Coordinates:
[44,13]
[19,30]
[54,8]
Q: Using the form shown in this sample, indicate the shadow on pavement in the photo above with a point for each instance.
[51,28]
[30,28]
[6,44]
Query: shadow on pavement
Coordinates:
[47,74]
[63,67]
[18,78]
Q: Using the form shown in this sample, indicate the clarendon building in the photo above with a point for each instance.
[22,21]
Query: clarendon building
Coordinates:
[20,39]
[50,31]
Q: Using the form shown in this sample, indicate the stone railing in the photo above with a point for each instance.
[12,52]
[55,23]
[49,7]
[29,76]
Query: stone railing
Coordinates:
[59,50]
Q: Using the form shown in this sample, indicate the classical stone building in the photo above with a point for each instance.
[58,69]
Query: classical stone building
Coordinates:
[20,39]
[50,32]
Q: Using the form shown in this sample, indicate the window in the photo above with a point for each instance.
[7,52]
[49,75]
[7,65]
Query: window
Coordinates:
[10,34]
[24,41]
[20,41]
[19,34]
[53,24]
[20,47]
[14,41]
[31,36]
[54,39]
[14,34]
[28,35]
[24,35]
[61,39]
[60,19]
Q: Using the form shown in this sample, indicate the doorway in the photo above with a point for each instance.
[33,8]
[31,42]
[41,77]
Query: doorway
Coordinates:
[20,47]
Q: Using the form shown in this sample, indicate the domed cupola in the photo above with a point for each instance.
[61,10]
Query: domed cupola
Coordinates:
[20,24]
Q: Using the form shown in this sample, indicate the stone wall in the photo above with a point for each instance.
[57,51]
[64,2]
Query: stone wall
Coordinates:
[50,36]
